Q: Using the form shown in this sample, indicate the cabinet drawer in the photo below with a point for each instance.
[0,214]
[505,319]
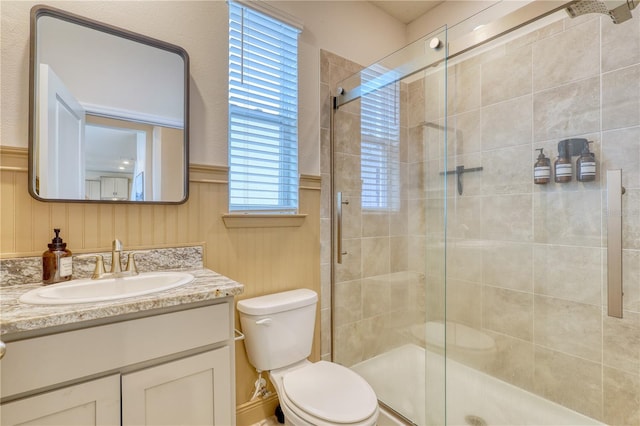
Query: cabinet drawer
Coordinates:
[44,361]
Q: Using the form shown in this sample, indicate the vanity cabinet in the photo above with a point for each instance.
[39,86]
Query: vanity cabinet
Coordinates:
[166,369]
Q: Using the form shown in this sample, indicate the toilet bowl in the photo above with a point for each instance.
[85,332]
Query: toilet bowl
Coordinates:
[278,331]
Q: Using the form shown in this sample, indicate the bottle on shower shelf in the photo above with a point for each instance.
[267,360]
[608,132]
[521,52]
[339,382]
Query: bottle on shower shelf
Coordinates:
[562,166]
[542,169]
[586,165]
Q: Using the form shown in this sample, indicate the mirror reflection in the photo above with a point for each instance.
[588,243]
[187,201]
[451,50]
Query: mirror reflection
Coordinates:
[109,113]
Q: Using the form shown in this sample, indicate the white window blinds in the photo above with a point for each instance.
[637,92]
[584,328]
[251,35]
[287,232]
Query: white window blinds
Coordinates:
[263,112]
[380,148]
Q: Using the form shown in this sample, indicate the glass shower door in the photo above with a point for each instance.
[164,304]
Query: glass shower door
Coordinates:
[388,271]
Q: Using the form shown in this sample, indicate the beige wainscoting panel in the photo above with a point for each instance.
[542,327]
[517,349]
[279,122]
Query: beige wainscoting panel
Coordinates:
[264,259]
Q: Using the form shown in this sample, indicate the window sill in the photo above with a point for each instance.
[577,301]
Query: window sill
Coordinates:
[263,220]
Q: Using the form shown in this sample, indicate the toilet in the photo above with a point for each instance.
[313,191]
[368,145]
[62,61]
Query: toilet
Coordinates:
[278,331]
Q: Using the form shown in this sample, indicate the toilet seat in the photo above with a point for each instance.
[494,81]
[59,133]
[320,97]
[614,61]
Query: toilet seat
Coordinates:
[329,392]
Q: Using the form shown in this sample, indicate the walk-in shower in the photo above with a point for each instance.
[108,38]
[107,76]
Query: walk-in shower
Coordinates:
[462,291]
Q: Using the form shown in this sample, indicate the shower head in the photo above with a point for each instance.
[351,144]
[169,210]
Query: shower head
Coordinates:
[618,10]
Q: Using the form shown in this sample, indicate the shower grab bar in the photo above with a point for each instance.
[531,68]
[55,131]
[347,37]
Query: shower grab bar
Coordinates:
[614,243]
[339,204]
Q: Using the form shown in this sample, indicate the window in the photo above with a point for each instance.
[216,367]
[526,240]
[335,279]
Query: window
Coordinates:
[380,147]
[263,112]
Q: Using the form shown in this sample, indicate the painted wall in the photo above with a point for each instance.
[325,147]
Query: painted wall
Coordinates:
[200,27]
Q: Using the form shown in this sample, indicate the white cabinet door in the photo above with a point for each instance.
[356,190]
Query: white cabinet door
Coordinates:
[92,403]
[191,391]
[113,188]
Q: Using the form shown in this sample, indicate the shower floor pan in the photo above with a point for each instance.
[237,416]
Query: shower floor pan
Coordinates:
[473,398]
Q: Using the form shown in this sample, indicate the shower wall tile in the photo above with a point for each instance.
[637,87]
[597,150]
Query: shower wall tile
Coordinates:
[569,272]
[418,253]
[558,376]
[464,302]
[507,77]
[416,151]
[375,256]
[375,224]
[463,220]
[506,170]
[325,106]
[435,105]
[508,312]
[507,123]
[621,342]
[631,228]
[348,344]
[621,98]
[621,397]
[534,36]
[464,261]
[347,302]
[375,296]
[417,216]
[569,327]
[325,338]
[347,131]
[415,103]
[351,216]
[630,280]
[464,84]
[567,57]
[620,44]
[399,253]
[508,217]
[351,267]
[398,220]
[508,265]
[416,180]
[568,218]
[566,111]
[349,178]
[513,361]
[466,138]
[621,150]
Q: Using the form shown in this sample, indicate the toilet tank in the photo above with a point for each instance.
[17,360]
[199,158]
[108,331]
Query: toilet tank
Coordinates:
[278,327]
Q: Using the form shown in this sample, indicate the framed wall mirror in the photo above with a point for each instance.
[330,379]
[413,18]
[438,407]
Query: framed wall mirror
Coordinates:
[109,113]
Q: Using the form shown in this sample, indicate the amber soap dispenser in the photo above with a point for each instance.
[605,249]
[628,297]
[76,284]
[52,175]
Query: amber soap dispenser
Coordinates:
[57,263]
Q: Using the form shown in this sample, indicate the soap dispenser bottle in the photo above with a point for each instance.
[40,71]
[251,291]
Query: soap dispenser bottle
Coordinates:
[57,263]
[562,164]
[542,169]
[586,165]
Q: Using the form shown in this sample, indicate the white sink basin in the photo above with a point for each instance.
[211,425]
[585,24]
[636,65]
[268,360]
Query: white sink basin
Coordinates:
[88,290]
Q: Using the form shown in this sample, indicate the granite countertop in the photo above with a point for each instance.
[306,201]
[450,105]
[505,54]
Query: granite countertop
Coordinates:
[18,317]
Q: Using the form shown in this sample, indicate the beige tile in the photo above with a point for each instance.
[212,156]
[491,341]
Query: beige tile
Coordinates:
[631,219]
[631,280]
[566,111]
[417,216]
[398,220]
[417,253]
[621,98]
[569,272]
[348,343]
[463,220]
[347,133]
[347,178]
[507,123]
[375,224]
[325,332]
[399,253]
[621,397]
[568,218]
[507,77]
[506,171]
[464,302]
[350,269]
[466,134]
[566,57]
[513,361]
[464,261]
[351,216]
[375,256]
[415,103]
[375,296]
[569,327]
[508,217]
[621,150]
[508,265]
[464,85]
[620,44]
[570,381]
[508,312]
[347,302]
[621,344]
[416,180]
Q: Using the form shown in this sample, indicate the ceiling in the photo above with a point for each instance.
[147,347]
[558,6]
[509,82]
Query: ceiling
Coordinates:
[406,11]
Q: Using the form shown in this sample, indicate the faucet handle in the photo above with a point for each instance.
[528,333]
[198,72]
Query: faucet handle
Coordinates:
[131,261]
[99,270]
[116,245]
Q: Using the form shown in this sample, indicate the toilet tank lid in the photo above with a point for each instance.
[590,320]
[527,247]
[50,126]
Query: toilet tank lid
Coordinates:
[278,302]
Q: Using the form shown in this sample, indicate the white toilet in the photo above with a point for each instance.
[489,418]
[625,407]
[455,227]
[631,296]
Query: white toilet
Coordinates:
[278,331]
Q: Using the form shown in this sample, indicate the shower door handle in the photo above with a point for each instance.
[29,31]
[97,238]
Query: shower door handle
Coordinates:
[339,204]
[614,243]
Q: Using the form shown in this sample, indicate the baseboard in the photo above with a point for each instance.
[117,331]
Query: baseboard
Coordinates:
[252,412]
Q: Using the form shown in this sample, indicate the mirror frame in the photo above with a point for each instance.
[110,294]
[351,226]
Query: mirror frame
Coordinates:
[42,10]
